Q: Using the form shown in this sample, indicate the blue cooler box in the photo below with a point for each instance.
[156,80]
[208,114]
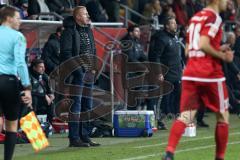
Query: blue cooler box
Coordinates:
[133,123]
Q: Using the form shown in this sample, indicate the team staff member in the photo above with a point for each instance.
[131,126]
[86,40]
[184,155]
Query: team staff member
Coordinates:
[12,64]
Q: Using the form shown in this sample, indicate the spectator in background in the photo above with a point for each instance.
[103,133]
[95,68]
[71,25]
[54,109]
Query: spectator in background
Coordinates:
[236,49]
[23,8]
[35,7]
[51,51]
[190,7]
[199,5]
[135,54]
[112,8]
[42,93]
[180,9]
[141,5]
[62,7]
[237,44]
[152,10]
[238,9]
[231,12]
[96,11]
[167,11]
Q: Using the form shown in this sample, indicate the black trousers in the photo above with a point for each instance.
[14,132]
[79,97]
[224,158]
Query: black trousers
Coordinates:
[171,102]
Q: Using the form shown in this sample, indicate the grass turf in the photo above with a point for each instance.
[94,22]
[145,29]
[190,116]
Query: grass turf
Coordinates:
[201,147]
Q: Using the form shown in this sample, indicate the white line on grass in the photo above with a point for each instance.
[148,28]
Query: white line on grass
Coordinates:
[183,141]
[179,151]
[203,147]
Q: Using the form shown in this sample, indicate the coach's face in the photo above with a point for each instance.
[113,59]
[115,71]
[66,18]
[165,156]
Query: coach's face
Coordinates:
[83,17]
[172,25]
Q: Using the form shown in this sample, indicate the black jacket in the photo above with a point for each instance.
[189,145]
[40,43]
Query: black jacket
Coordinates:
[166,50]
[51,51]
[135,52]
[33,7]
[39,90]
[70,42]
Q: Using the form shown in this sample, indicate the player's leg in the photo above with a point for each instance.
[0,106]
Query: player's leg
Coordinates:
[221,134]
[216,98]
[178,129]
[189,104]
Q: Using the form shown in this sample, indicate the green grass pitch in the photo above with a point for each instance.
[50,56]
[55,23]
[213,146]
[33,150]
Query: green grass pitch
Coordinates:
[201,147]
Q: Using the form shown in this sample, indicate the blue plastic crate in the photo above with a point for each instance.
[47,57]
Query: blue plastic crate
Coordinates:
[133,123]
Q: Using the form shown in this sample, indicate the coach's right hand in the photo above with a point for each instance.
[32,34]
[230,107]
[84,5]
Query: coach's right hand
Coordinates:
[27,98]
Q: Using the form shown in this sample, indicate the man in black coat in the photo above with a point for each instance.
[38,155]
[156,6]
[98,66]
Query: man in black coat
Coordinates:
[166,50]
[77,40]
[51,51]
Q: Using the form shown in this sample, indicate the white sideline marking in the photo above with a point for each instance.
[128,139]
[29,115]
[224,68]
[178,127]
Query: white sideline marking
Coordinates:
[188,140]
[179,151]
[204,147]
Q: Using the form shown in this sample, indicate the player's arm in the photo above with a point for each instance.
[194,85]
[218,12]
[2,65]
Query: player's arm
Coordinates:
[206,47]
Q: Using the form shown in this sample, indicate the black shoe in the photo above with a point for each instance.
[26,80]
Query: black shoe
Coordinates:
[78,143]
[94,144]
[161,126]
[168,156]
[219,159]
[202,124]
[90,142]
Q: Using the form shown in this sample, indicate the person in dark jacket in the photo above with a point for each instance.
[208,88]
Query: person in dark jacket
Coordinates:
[51,51]
[96,11]
[35,7]
[62,7]
[166,50]
[77,40]
[135,54]
[42,94]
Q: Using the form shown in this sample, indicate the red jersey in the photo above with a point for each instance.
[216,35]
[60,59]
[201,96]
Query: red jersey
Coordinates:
[201,66]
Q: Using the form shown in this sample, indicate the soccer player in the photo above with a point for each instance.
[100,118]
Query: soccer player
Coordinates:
[203,81]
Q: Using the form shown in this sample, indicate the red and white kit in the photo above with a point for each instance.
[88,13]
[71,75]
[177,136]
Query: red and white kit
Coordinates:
[203,77]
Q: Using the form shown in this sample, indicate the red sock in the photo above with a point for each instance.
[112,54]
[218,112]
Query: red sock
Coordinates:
[176,133]
[221,138]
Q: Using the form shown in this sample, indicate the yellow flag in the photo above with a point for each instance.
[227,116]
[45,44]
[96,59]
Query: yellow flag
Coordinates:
[34,132]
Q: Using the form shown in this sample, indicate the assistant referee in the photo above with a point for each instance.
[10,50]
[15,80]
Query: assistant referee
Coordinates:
[12,66]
